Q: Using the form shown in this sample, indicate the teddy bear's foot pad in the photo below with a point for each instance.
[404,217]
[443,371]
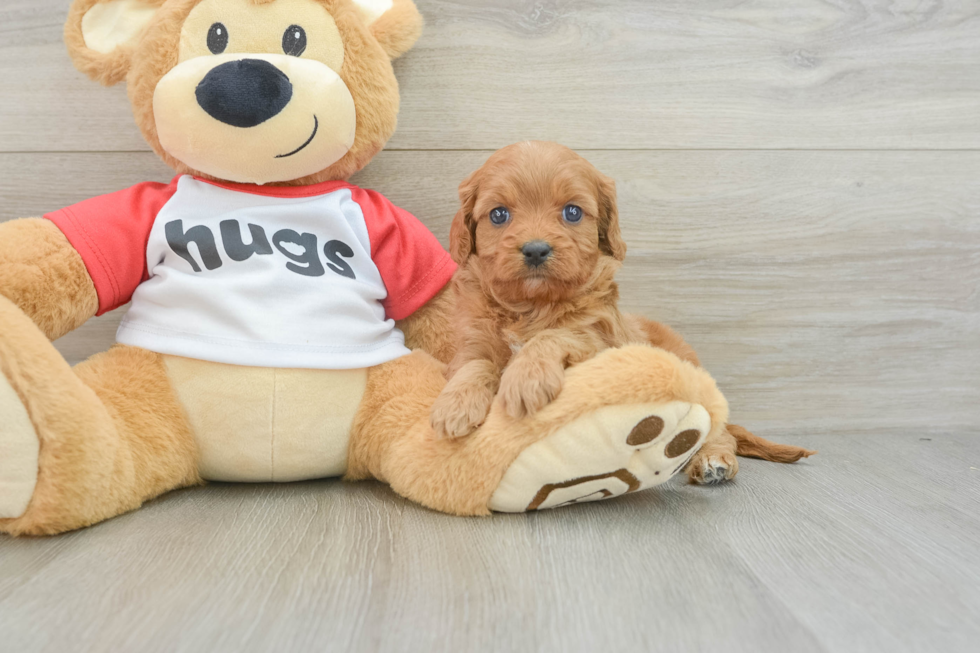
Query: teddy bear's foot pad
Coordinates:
[606,453]
[19,449]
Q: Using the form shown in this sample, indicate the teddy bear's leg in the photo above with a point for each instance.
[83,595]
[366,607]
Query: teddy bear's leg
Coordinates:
[625,420]
[107,435]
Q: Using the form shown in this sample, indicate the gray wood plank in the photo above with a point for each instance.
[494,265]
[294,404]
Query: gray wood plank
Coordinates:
[604,74]
[827,291]
[870,546]
[833,294]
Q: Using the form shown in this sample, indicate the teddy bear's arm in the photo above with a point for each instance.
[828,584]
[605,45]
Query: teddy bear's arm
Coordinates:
[430,327]
[45,277]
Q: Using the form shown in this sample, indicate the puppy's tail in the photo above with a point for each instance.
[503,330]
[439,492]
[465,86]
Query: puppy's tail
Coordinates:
[752,446]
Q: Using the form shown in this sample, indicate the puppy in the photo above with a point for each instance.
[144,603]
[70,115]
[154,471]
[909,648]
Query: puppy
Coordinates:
[538,244]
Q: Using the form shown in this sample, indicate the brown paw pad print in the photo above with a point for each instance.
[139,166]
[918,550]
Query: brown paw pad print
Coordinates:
[614,451]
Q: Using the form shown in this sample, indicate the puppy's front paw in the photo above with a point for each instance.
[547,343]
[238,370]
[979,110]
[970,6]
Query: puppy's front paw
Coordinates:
[460,409]
[528,385]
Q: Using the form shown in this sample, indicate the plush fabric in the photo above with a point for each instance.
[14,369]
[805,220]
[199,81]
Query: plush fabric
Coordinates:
[45,276]
[18,464]
[392,439]
[261,29]
[86,444]
[109,25]
[638,447]
[366,72]
[325,249]
[112,434]
[430,327]
[398,28]
[286,138]
[107,68]
[259,424]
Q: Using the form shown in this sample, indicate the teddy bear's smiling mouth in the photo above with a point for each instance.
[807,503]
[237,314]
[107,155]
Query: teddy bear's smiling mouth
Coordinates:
[316,126]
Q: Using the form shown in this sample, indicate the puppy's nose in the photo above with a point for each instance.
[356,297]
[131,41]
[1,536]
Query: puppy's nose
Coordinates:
[536,253]
[244,93]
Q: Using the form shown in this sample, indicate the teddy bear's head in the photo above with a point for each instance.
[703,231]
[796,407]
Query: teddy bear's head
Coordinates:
[252,91]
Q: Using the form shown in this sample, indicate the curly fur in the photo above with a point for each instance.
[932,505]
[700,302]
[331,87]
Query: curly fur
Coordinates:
[518,329]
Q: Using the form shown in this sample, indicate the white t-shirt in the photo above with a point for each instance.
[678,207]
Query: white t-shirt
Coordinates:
[306,277]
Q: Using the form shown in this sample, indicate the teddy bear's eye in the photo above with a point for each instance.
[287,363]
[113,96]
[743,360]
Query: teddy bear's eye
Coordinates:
[217,38]
[294,40]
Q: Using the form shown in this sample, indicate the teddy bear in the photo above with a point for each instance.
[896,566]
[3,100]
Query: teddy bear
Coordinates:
[284,324]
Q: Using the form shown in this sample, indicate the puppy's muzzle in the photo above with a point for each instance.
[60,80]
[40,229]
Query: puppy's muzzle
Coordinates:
[244,93]
[536,253]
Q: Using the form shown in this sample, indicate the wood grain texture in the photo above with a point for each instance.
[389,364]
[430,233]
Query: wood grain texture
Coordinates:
[871,546]
[616,74]
[832,291]
[826,291]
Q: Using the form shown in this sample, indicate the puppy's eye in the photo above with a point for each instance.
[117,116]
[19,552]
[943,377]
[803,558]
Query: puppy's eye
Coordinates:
[572,214]
[499,215]
[217,38]
[294,40]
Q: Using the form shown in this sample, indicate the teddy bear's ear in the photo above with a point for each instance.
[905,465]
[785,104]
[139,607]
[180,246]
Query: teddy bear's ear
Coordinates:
[396,24]
[100,35]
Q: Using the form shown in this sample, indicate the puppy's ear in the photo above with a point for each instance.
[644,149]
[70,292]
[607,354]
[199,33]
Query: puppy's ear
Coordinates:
[101,35]
[611,241]
[396,24]
[462,233]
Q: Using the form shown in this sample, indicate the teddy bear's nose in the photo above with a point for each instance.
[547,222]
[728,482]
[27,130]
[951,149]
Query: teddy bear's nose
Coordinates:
[244,93]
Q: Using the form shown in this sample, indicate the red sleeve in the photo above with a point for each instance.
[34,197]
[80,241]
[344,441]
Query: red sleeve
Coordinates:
[413,265]
[110,232]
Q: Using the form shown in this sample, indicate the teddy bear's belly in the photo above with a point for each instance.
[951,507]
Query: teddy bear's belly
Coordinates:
[257,424]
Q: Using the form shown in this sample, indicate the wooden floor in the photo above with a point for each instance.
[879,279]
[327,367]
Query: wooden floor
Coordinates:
[871,546]
[800,190]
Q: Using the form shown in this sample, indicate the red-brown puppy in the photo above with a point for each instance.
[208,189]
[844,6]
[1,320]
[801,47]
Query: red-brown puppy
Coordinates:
[538,244]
